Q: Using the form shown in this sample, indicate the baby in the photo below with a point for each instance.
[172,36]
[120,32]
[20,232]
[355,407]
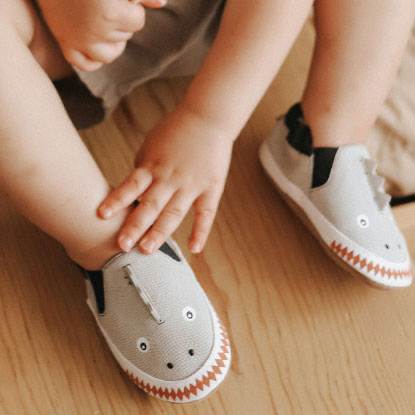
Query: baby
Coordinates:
[153,314]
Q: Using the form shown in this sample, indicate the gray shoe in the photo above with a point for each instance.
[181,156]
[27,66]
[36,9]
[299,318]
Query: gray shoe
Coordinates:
[159,324]
[350,213]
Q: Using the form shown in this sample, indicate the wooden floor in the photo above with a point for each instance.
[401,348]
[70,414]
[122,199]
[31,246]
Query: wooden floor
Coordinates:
[307,338]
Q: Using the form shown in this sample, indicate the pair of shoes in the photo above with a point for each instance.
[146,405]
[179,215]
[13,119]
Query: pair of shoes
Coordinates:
[339,196]
[155,317]
[159,323]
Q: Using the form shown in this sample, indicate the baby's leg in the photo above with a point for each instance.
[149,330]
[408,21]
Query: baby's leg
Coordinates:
[45,169]
[358,49]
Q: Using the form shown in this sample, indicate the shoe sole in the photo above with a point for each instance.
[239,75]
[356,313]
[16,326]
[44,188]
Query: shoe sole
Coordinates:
[344,248]
[193,388]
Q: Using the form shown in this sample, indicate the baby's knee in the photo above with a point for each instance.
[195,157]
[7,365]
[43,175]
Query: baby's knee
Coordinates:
[21,16]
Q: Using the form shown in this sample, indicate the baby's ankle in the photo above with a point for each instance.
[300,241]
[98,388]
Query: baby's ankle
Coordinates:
[94,258]
[331,127]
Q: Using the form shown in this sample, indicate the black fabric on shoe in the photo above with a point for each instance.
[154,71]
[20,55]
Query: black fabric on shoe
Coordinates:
[168,250]
[323,162]
[299,136]
[97,281]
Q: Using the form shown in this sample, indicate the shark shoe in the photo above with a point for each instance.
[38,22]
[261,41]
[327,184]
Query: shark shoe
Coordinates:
[159,324]
[338,195]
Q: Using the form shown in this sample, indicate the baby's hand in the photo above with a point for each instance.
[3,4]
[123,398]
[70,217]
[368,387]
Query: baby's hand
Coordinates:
[183,162]
[94,32]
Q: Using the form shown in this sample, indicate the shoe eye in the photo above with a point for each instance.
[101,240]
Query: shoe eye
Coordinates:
[363,221]
[143,345]
[189,314]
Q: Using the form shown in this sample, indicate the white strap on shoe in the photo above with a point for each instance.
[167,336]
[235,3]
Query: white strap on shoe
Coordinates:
[143,295]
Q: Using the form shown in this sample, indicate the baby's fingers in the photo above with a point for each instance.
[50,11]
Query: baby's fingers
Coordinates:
[79,60]
[105,52]
[206,207]
[166,224]
[143,216]
[126,193]
[154,4]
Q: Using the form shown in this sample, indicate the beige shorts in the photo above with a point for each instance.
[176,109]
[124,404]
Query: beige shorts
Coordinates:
[173,42]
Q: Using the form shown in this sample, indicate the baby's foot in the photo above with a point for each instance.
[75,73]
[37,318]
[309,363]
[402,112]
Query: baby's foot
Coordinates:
[338,195]
[159,324]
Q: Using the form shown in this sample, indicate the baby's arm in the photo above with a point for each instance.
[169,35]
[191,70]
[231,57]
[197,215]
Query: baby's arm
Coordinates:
[93,32]
[186,158]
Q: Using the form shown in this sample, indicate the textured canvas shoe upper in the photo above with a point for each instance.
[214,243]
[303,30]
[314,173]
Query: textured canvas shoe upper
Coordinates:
[361,209]
[350,211]
[297,167]
[158,320]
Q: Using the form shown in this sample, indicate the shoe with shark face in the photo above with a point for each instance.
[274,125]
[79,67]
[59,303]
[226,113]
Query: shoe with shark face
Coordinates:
[348,211]
[159,324]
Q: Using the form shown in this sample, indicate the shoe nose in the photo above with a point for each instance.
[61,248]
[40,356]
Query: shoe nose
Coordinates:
[171,365]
